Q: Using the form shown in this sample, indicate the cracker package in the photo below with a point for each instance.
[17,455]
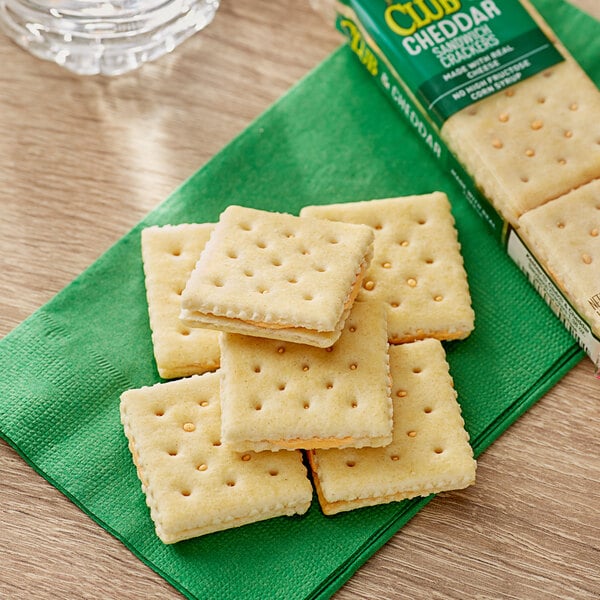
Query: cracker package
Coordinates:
[194,484]
[417,269]
[506,109]
[278,276]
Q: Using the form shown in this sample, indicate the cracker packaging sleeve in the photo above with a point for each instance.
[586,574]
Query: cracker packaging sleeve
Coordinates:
[417,269]
[195,484]
[280,395]
[430,449]
[501,103]
[278,276]
[169,255]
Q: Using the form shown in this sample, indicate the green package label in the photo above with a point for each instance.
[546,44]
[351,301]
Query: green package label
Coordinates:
[452,53]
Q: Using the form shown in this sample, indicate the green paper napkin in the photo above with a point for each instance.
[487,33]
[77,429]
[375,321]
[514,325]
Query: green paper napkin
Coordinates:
[332,138]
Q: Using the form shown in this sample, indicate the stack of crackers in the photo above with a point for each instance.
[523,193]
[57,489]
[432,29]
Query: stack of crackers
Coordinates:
[300,340]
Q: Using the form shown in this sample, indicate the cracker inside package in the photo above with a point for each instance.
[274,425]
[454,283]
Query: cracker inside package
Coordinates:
[417,269]
[169,255]
[429,453]
[533,142]
[279,276]
[194,484]
[566,236]
[278,395]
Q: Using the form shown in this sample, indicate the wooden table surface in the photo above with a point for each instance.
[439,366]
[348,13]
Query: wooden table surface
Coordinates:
[83,159]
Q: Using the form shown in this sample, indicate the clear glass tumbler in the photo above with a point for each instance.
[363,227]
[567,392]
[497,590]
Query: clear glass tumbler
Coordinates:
[106,37]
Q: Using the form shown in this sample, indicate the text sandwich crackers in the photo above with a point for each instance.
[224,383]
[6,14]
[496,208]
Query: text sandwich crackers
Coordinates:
[195,484]
[169,255]
[417,268]
[278,395]
[277,275]
[430,450]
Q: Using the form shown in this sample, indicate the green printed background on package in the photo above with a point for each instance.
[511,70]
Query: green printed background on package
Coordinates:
[452,53]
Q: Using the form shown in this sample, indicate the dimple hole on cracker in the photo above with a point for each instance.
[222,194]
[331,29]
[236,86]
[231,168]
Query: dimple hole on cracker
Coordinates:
[159,412]
[369,285]
[216,443]
[186,493]
[350,463]
[401,393]
[189,427]
[172,452]
[411,434]
[394,457]
[438,450]
[232,254]
[246,457]
[273,472]
[202,467]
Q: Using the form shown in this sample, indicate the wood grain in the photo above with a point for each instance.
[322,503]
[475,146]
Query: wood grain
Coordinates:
[83,159]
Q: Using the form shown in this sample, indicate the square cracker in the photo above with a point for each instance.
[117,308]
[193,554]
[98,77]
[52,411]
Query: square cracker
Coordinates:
[417,269]
[278,395]
[169,255]
[278,276]
[429,453]
[193,483]
[533,142]
[565,236]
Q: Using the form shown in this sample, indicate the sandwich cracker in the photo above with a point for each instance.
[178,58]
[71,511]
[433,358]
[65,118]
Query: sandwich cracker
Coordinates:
[417,269]
[278,395]
[195,484]
[533,142]
[429,453]
[565,236]
[278,276]
[169,255]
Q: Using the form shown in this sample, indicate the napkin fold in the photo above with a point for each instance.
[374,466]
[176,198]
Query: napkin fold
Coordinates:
[332,138]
